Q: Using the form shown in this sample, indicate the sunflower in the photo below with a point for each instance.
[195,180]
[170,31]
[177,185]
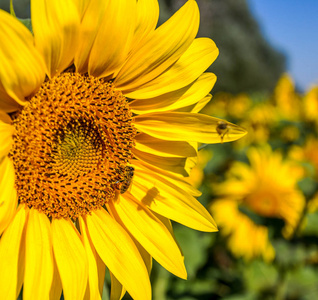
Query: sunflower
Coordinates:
[286,99]
[307,153]
[267,188]
[99,126]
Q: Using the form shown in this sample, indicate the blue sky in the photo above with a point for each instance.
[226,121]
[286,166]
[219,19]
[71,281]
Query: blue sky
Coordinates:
[292,26]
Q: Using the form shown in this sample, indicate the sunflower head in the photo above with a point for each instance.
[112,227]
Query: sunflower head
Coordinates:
[266,187]
[100,123]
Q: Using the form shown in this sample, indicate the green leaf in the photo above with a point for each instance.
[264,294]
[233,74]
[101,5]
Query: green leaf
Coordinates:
[194,245]
[302,283]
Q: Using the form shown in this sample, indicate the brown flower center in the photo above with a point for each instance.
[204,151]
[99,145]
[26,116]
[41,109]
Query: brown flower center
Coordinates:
[72,146]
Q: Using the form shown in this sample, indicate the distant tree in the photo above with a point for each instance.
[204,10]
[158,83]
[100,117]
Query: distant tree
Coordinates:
[247,62]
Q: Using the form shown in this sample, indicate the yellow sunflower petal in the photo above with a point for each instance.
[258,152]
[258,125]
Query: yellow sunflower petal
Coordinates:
[39,267]
[8,194]
[113,40]
[176,180]
[170,200]
[179,165]
[150,233]
[177,126]
[70,258]
[21,66]
[82,7]
[183,97]
[147,258]
[195,108]
[12,256]
[161,49]
[147,143]
[92,18]
[56,288]
[147,19]
[93,286]
[119,253]
[169,227]
[101,269]
[56,32]
[117,291]
[198,57]
[6,131]
[7,104]
[5,118]
[201,104]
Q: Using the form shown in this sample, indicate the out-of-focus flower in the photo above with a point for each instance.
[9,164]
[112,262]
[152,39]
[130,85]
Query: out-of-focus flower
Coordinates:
[267,188]
[286,99]
[311,105]
[258,122]
[226,104]
[307,153]
[244,238]
[197,173]
[238,106]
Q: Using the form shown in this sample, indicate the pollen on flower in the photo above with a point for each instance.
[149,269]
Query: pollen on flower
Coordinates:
[72,144]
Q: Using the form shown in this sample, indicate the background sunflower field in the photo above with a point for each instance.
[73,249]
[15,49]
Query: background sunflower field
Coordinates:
[262,190]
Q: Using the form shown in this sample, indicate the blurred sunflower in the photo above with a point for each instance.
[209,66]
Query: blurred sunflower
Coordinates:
[265,188]
[197,173]
[307,153]
[286,99]
[259,120]
[311,105]
[99,124]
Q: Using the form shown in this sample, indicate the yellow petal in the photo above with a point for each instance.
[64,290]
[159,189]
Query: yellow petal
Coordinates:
[150,233]
[168,225]
[201,104]
[56,288]
[176,180]
[198,57]
[56,31]
[145,256]
[91,20]
[119,253]
[147,19]
[39,265]
[70,258]
[147,143]
[4,117]
[7,103]
[178,126]
[158,51]
[21,66]
[82,7]
[93,282]
[101,269]
[113,41]
[195,108]
[177,165]
[8,194]
[164,197]
[186,96]
[12,256]
[6,131]
[117,291]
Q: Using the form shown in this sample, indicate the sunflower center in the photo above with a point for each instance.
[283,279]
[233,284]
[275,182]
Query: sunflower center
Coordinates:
[72,146]
[264,203]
